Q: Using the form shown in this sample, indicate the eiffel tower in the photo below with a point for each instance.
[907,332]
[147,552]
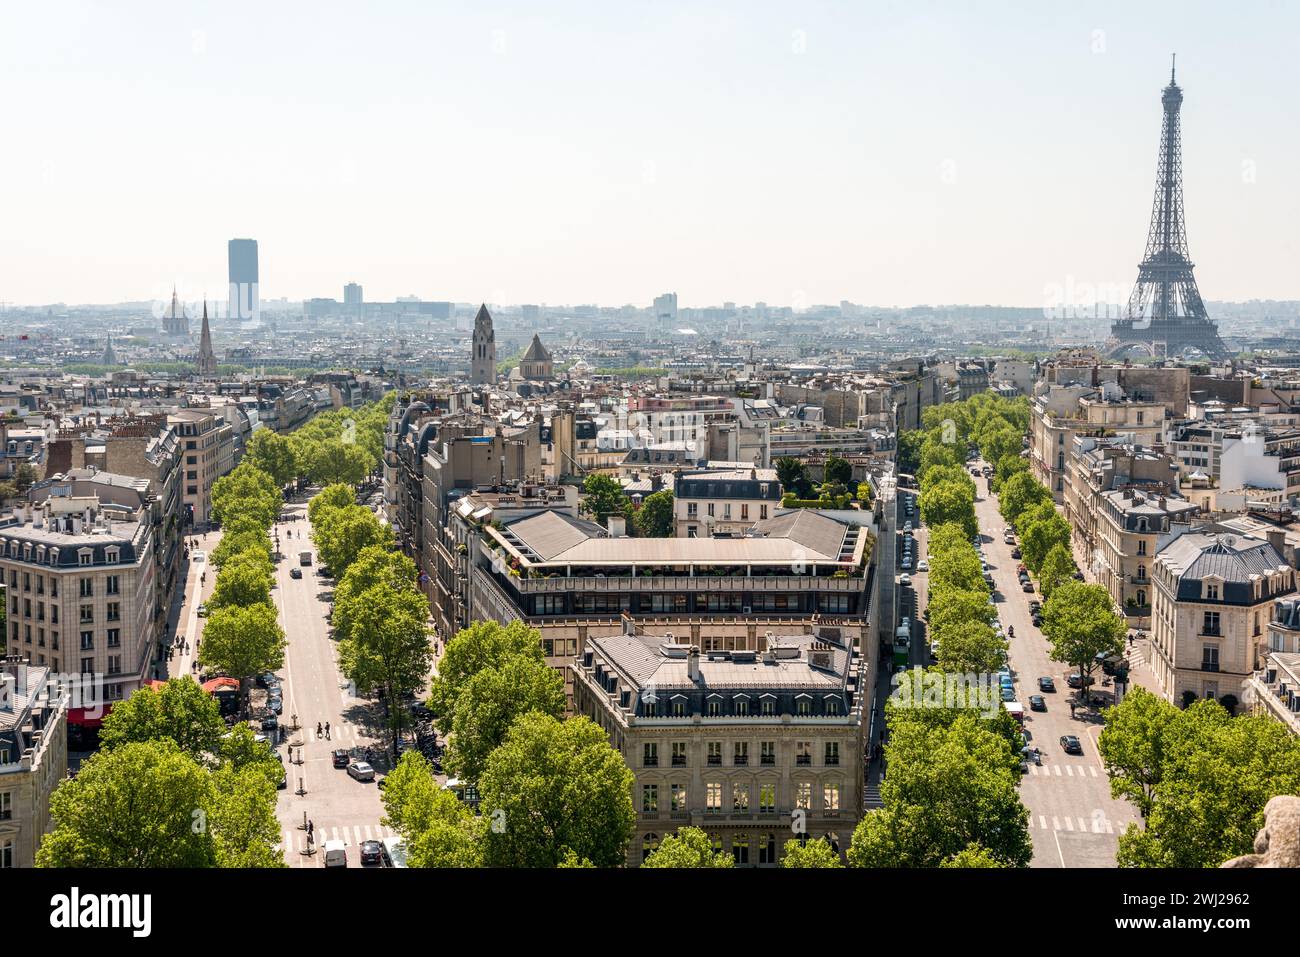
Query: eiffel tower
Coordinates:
[1165,296]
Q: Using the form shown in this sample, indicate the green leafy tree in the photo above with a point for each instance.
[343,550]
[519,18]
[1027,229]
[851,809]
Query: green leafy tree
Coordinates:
[239,543]
[793,476]
[436,827]
[344,532]
[814,853]
[689,847]
[970,647]
[331,496]
[389,646]
[556,785]
[1057,569]
[135,805]
[1080,623]
[947,787]
[241,817]
[602,497]
[337,461]
[374,565]
[654,519]
[1132,746]
[908,454]
[837,470]
[243,580]
[1040,537]
[180,711]
[946,502]
[273,454]
[1216,774]
[1019,492]
[242,641]
[482,645]
[246,490]
[491,701]
[972,855]
[949,609]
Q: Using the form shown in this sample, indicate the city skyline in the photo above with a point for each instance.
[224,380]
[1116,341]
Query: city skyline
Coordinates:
[890,157]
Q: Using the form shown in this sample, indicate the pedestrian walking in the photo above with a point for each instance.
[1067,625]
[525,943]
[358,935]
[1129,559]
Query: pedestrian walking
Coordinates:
[327,730]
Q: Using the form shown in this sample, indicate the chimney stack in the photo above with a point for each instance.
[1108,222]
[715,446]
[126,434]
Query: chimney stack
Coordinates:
[693,663]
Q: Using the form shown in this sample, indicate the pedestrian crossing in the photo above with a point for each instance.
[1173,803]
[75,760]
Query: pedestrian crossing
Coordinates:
[871,799]
[1071,770]
[294,840]
[1097,825]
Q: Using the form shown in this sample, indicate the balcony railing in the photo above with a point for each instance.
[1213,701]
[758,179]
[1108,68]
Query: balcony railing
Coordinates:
[856,582]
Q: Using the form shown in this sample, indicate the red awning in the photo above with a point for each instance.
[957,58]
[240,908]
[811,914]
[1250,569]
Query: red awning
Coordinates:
[89,717]
[221,684]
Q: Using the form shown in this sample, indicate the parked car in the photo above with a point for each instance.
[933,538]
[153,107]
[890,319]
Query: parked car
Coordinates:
[922,566]
[266,680]
[934,650]
[1076,680]
[1070,744]
[203,610]
[361,771]
[1008,693]
[1037,703]
[1046,684]
[1027,587]
[1015,553]
[276,704]
[905,580]
[341,758]
[270,723]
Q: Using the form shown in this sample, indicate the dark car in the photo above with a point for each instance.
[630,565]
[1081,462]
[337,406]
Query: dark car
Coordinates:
[341,758]
[1046,684]
[1035,605]
[1015,553]
[270,723]
[1077,680]
[1027,586]
[373,854]
[276,704]
[1037,703]
[1036,621]
[295,572]
[267,680]
[1071,744]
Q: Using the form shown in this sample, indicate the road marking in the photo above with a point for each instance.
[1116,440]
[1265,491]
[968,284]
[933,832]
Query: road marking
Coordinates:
[1093,770]
[1082,826]
[1069,771]
[1042,820]
[1056,825]
[1057,768]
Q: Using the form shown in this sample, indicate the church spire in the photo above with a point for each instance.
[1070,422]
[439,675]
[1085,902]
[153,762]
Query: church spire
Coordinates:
[207,358]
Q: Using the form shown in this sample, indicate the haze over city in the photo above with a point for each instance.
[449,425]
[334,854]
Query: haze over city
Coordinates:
[884,153]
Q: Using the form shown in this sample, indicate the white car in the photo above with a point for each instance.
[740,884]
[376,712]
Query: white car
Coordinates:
[934,650]
[922,566]
[905,580]
[361,771]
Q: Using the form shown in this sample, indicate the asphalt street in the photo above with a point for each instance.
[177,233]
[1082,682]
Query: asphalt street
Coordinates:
[1074,821]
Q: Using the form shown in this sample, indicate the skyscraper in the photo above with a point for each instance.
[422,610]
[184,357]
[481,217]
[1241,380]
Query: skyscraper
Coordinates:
[244,302]
[352,294]
[666,310]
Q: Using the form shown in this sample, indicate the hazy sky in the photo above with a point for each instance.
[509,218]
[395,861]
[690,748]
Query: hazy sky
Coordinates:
[883,152]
